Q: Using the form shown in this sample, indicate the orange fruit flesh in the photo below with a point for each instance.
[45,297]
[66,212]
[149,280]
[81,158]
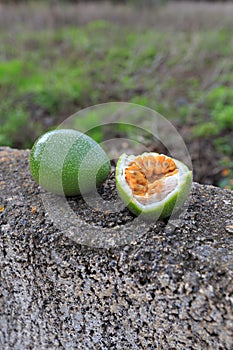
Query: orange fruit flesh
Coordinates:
[145,175]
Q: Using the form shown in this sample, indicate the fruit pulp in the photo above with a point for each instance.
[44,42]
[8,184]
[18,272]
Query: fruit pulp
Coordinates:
[151,177]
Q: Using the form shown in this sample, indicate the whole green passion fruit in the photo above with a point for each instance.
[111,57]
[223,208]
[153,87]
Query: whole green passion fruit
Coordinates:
[66,161]
[152,185]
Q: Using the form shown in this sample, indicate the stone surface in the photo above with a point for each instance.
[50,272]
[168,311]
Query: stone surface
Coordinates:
[169,288]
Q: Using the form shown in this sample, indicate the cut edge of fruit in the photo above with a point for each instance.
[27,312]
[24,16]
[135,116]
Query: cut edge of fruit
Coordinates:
[174,199]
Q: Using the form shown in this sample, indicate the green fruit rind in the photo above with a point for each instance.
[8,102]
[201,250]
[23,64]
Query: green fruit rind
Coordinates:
[160,210]
[68,162]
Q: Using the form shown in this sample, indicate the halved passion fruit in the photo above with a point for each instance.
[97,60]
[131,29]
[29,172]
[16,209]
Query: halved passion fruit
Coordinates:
[153,185]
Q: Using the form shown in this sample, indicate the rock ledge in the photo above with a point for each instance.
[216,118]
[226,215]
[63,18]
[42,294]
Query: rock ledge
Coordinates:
[171,289]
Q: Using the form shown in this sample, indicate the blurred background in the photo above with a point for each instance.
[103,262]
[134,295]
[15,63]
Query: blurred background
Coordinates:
[57,57]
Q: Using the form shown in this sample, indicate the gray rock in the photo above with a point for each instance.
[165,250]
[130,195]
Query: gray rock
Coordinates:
[170,287]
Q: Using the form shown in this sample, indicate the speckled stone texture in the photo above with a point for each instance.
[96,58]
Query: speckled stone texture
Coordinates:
[170,289]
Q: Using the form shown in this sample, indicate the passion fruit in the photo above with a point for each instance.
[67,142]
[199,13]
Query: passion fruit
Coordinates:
[152,185]
[56,158]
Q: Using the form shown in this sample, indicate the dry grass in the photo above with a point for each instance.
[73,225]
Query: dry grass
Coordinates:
[183,16]
[192,16]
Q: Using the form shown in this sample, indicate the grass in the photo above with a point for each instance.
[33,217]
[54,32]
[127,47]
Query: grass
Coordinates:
[175,59]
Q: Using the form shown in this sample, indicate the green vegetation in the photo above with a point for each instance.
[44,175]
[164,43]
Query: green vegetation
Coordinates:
[49,73]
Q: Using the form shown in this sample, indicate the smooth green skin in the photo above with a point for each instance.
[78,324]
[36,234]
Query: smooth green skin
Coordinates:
[68,162]
[159,211]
